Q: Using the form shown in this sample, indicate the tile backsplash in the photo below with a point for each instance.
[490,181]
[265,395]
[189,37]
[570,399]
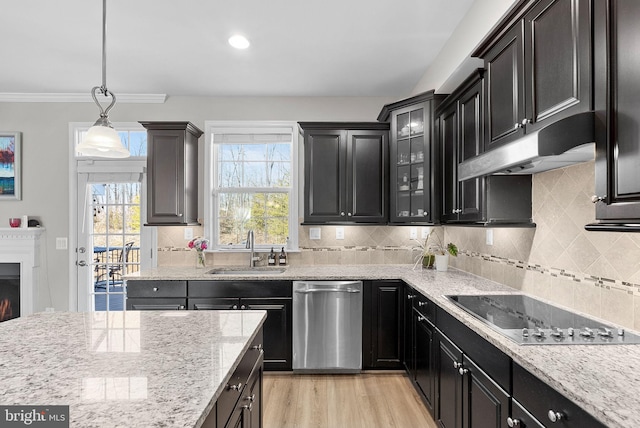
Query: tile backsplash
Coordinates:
[594,272]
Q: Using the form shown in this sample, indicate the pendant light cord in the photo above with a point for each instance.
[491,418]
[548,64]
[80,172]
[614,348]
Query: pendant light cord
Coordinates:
[104,112]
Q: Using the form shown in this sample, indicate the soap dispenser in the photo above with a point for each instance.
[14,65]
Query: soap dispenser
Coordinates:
[283,258]
[271,260]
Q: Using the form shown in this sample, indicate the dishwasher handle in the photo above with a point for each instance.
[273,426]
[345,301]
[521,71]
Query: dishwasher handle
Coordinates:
[328,290]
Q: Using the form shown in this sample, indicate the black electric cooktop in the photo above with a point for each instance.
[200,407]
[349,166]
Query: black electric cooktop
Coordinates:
[529,321]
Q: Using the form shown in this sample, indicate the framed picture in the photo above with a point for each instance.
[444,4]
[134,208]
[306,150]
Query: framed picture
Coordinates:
[10,165]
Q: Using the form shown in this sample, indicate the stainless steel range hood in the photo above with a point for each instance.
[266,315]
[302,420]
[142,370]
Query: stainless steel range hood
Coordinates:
[566,142]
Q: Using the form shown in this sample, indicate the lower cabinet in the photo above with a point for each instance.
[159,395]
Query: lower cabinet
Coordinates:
[271,296]
[383,324]
[537,404]
[151,295]
[467,396]
[240,404]
[419,351]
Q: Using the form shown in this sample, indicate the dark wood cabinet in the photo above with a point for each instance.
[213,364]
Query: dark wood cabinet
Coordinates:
[143,295]
[346,172]
[460,124]
[383,325]
[617,176]
[538,68]
[467,396]
[240,403]
[490,200]
[271,296]
[542,404]
[413,156]
[419,353]
[172,173]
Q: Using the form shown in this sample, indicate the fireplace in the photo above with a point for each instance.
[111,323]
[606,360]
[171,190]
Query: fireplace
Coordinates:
[19,268]
[9,291]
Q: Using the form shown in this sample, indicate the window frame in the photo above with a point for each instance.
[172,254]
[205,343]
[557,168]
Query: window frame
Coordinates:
[210,195]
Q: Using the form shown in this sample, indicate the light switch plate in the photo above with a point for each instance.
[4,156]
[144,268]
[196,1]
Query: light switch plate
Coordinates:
[489,236]
[339,232]
[61,243]
[314,233]
[188,233]
[413,233]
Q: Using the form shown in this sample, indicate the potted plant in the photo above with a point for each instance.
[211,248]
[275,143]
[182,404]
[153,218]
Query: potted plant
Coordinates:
[432,251]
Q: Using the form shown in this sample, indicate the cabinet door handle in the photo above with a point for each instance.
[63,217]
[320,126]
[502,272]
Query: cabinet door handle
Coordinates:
[525,122]
[155,288]
[423,304]
[341,213]
[234,307]
[249,406]
[463,371]
[243,307]
[257,347]
[595,199]
[251,398]
[513,423]
[349,214]
[421,318]
[410,296]
[555,416]
[457,365]
[236,387]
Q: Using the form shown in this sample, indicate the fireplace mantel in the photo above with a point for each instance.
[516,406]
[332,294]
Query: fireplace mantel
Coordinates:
[22,245]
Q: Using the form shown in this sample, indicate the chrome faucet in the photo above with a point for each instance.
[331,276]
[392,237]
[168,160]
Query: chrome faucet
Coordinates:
[250,245]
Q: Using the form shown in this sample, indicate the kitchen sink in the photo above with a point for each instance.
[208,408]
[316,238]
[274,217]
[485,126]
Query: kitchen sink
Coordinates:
[247,271]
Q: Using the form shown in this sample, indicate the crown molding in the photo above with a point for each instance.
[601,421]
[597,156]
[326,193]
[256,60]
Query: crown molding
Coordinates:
[17,97]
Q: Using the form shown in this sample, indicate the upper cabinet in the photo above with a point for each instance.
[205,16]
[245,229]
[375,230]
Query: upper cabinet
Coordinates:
[414,175]
[346,172]
[172,173]
[617,178]
[538,68]
[459,130]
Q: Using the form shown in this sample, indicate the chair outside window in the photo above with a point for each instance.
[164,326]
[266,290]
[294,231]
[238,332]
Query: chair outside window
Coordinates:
[117,270]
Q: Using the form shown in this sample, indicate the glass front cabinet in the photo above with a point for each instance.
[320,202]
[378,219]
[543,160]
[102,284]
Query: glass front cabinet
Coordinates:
[413,171]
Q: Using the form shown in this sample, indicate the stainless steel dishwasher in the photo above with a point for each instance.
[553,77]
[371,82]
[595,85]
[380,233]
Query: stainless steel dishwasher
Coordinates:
[327,326]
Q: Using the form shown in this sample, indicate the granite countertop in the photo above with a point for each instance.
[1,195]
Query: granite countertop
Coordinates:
[602,379]
[124,369]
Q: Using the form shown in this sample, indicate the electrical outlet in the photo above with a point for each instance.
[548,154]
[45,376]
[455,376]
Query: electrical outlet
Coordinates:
[413,233]
[425,232]
[61,244]
[489,236]
[188,233]
[339,232]
[314,233]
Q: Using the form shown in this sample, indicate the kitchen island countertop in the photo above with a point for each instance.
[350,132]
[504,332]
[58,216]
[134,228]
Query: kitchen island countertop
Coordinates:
[604,380]
[124,369]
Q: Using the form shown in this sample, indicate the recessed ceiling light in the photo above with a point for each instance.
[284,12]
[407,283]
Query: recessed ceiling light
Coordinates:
[239,42]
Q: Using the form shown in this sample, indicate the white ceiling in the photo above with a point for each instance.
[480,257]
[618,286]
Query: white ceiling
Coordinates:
[179,47]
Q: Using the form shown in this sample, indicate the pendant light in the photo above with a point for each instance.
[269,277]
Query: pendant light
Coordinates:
[102,140]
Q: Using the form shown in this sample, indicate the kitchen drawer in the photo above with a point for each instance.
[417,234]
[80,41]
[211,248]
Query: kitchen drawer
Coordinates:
[145,288]
[492,360]
[240,288]
[425,307]
[162,304]
[540,399]
[238,381]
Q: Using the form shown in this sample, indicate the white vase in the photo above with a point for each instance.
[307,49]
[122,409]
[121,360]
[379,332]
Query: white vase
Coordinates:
[442,262]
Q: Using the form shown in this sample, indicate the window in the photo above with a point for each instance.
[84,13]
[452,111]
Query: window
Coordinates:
[251,184]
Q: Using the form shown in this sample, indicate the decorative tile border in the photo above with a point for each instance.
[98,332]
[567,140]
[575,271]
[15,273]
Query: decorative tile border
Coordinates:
[602,282]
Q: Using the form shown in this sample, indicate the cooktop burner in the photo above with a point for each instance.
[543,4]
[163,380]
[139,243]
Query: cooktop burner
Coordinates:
[529,321]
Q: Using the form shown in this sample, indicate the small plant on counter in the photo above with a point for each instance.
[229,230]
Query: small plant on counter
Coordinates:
[432,247]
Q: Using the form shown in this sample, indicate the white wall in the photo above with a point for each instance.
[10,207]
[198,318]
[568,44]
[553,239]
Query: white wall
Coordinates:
[453,64]
[45,163]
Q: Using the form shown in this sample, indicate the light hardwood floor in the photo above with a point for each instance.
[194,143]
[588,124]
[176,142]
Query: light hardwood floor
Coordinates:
[368,400]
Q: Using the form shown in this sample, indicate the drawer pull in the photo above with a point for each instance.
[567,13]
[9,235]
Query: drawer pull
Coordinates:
[421,318]
[463,371]
[236,387]
[155,288]
[243,307]
[249,406]
[513,423]
[457,365]
[251,398]
[234,307]
[258,348]
[555,416]
[423,304]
